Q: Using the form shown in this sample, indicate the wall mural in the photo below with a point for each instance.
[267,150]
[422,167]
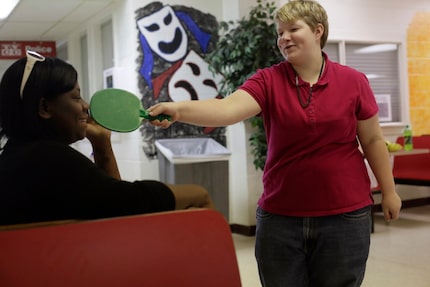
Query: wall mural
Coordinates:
[171,66]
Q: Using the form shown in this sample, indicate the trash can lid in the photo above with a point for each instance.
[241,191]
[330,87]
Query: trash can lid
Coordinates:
[189,150]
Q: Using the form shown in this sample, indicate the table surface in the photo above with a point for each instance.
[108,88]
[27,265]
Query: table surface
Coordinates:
[411,152]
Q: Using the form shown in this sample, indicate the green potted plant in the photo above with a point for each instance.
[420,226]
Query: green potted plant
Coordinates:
[244,46]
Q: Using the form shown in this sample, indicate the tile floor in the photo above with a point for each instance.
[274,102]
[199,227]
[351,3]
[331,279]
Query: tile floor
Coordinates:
[399,254]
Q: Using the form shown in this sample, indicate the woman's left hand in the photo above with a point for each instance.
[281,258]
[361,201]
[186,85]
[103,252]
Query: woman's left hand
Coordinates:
[391,204]
[97,134]
[102,148]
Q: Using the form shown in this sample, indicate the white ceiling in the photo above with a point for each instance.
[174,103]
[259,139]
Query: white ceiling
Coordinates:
[48,20]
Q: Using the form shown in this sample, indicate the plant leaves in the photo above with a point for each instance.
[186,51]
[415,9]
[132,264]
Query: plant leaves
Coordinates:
[244,46]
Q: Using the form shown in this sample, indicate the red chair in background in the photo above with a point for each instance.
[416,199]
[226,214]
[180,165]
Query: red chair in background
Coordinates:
[413,169]
[178,248]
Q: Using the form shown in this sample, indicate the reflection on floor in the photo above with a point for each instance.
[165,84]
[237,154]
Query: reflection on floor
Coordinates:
[399,254]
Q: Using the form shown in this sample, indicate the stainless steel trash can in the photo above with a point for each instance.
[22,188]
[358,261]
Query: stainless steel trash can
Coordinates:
[196,160]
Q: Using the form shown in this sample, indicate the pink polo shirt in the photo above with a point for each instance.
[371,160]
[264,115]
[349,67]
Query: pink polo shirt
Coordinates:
[314,167]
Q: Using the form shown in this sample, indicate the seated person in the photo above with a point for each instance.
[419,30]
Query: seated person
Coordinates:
[43,178]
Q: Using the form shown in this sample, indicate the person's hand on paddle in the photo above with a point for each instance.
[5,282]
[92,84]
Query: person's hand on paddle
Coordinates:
[167,108]
[121,111]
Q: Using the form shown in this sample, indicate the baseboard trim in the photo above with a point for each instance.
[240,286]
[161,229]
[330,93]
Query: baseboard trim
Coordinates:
[245,230]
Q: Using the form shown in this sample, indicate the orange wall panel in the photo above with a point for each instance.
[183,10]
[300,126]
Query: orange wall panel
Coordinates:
[418,51]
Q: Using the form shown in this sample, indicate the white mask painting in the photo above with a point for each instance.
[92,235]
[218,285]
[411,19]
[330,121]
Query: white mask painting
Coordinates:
[164,34]
[193,80]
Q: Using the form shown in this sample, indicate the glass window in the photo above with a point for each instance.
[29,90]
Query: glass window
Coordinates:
[107,44]
[332,51]
[84,84]
[380,64]
[63,52]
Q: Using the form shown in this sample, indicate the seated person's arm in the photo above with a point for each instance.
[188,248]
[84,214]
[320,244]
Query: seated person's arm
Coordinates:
[100,140]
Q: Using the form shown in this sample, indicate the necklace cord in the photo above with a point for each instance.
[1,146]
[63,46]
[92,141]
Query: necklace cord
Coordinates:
[299,95]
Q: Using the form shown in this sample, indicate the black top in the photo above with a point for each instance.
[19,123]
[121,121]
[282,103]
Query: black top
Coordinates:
[48,180]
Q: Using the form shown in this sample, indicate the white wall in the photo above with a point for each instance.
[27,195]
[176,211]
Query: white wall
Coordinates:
[353,20]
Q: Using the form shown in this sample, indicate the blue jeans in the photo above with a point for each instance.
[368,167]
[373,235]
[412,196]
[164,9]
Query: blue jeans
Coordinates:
[328,251]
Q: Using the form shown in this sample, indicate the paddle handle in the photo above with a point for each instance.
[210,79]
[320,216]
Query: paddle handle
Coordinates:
[144,114]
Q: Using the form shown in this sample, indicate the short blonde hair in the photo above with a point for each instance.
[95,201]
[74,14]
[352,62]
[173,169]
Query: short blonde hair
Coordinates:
[309,11]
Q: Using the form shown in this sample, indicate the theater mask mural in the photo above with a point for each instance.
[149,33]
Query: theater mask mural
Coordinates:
[193,80]
[174,41]
[164,34]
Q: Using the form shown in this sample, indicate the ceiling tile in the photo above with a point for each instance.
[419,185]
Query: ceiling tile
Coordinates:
[48,20]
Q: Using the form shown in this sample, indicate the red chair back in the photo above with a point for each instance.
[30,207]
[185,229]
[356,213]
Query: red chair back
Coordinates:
[179,248]
[414,166]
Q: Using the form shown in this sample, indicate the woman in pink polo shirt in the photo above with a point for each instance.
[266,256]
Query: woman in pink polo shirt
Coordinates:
[313,218]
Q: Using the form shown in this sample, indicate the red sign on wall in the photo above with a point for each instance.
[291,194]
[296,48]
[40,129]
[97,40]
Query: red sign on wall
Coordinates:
[16,49]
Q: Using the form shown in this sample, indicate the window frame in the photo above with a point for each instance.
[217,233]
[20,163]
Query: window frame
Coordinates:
[402,114]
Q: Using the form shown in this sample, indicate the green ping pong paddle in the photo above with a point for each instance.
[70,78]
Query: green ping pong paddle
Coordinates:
[119,110]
